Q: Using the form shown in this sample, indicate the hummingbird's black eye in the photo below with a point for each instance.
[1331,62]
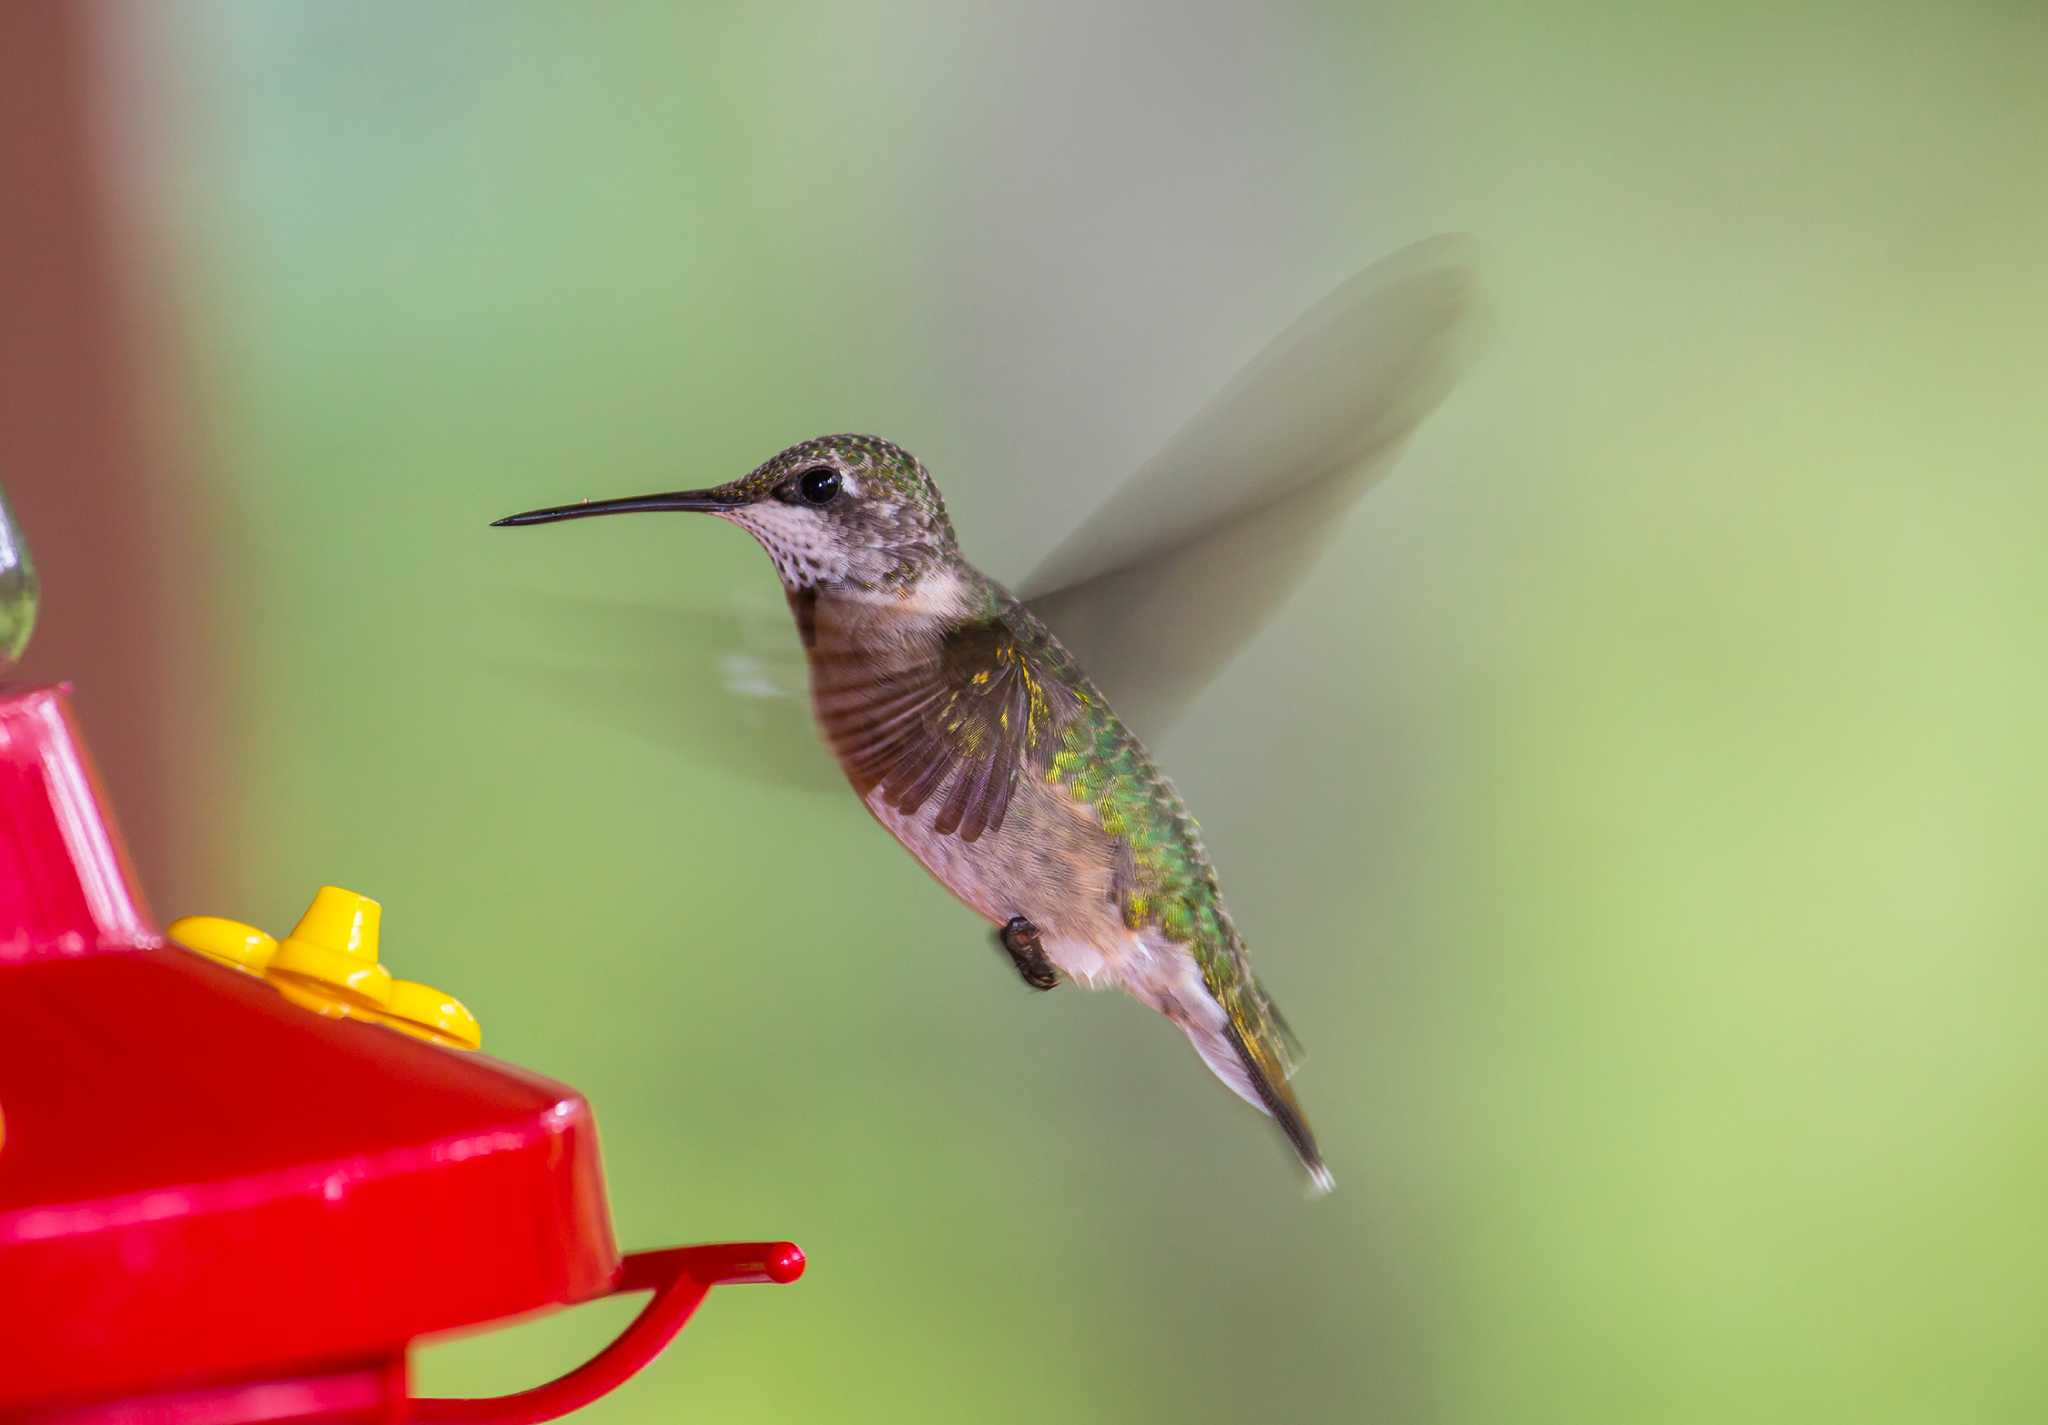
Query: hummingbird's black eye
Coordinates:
[820,485]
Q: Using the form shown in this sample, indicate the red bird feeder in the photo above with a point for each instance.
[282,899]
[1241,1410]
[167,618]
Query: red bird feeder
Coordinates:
[236,1185]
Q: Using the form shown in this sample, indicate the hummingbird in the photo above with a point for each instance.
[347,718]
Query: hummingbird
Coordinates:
[973,734]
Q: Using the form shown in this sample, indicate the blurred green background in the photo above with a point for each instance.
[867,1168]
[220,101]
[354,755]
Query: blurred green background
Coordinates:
[1639,813]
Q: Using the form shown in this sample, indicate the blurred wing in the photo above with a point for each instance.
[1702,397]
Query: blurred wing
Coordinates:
[727,685]
[962,720]
[1185,561]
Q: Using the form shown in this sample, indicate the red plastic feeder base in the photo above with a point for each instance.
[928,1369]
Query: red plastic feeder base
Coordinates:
[219,1208]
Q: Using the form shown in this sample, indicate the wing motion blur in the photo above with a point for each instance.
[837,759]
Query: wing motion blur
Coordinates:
[1185,561]
[723,686]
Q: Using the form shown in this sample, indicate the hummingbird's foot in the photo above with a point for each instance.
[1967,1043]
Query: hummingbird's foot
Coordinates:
[1020,939]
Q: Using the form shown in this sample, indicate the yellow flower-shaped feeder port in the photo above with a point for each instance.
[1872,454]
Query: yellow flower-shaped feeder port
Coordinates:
[328,964]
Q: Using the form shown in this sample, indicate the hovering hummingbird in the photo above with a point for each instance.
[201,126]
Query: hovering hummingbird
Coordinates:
[975,737]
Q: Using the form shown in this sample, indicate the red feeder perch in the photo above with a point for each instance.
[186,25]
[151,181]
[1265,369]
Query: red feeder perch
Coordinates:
[236,1185]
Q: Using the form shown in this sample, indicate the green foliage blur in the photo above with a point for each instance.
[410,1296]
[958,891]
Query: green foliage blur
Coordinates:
[1638,815]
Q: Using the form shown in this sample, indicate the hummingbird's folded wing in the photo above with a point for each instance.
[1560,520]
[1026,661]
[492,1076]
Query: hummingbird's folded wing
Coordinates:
[1186,560]
[966,716]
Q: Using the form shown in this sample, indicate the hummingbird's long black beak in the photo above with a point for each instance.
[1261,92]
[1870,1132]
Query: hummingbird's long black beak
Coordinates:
[699,500]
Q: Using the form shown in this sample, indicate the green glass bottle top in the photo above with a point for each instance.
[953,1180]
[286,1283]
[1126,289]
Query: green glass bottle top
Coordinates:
[18,589]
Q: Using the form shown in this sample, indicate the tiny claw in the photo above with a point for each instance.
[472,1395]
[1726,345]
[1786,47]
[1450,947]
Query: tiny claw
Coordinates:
[1020,938]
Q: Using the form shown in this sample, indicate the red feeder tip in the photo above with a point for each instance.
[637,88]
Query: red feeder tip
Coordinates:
[785,1262]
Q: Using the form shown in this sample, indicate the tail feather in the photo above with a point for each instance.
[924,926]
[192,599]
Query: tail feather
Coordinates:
[1260,1080]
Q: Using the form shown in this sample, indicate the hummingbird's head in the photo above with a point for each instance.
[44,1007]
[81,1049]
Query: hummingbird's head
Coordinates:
[847,510]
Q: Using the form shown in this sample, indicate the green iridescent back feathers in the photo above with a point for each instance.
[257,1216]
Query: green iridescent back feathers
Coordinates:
[1168,883]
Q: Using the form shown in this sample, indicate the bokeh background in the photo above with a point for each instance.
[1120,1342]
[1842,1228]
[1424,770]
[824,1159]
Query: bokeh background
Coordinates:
[1639,813]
